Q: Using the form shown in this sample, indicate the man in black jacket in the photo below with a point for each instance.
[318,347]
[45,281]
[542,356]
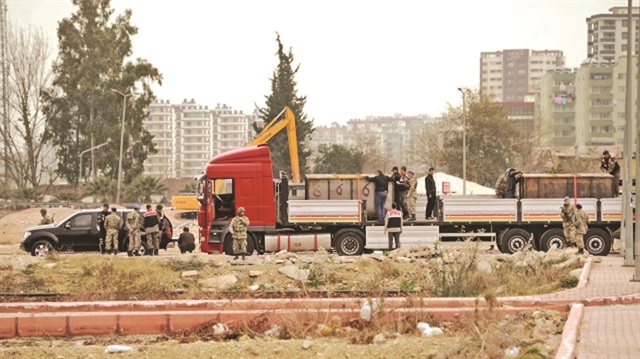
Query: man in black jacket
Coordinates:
[430,185]
[398,190]
[382,182]
[513,177]
[610,165]
[102,216]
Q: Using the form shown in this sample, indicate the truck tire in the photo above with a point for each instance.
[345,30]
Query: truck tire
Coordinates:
[41,248]
[228,244]
[349,242]
[553,237]
[597,242]
[514,240]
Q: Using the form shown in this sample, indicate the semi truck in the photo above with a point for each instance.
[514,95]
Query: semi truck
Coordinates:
[337,211]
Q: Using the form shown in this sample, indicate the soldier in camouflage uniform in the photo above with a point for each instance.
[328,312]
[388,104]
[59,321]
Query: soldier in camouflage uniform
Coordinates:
[581,227]
[112,224]
[45,219]
[133,223]
[569,220]
[501,184]
[412,195]
[238,230]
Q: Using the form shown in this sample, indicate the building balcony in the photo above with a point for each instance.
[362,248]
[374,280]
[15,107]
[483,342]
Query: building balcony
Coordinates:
[608,52]
[608,39]
[607,27]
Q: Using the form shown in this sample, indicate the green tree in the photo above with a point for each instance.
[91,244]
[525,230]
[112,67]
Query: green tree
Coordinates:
[491,140]
[142,187]
[338,159]
[103,188]
[284,93]
[81,109]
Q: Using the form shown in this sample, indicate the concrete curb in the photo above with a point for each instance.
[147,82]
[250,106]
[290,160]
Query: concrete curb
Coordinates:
[567,349]
[584,276]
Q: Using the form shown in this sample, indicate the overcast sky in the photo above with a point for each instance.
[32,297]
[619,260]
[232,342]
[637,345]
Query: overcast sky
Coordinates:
[357,58]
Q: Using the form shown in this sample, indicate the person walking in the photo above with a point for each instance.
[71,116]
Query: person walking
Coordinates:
[381,187]
[430,186]
[609,165]
[112,224]
[393,226]
[412,194]
[133,223]
[152,230]
[501,184]
[582,225]
[103,231]
[186,241]
[569,220]
[238,229]
[45,219]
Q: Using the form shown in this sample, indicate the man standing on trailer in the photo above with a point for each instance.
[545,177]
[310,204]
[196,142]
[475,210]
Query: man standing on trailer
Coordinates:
[398,188]
[610,165]
[382,182]
[569,220]
[412,195]
[430,186]
[501,184]
[581,227]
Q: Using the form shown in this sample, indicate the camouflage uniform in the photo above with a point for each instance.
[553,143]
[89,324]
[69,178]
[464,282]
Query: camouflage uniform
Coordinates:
[238,229]
[569,221]
[581,227]
[46,220]
[412,195]
[133,222]
[112,224]
[501,183]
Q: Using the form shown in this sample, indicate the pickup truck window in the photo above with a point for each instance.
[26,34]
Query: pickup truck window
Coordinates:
[82,220]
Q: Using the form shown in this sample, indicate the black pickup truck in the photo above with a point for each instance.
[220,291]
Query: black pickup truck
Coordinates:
[80,233]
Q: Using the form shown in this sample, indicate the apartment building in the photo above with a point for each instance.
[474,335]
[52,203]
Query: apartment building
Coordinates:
[556,108]
[230,129]
[194,135]
[512,75]
[607,34]
[160,124]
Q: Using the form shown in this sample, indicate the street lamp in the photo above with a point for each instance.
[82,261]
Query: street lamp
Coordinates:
[87,150]
[124,113]
[464,141]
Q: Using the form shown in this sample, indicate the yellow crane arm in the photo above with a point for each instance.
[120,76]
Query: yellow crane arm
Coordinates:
[276,126]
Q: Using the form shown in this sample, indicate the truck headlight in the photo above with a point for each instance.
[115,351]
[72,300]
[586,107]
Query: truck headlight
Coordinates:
[25,235]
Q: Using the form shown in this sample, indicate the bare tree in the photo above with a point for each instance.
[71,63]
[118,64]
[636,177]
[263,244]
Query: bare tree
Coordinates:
[529,150]
[28,157]
[375,159]
[426,149]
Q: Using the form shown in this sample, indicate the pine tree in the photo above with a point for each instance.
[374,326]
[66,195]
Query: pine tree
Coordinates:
[81,110]
[284,93]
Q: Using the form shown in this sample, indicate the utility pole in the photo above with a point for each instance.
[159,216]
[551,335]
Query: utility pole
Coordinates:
[636,277]
[4,63]
[627,213]
[464,141]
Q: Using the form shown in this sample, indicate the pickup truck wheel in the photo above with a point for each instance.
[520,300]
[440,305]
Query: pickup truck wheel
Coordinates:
[552,237]
[41,248]
[349,242]
[144,248]
[597,242]
[514,240]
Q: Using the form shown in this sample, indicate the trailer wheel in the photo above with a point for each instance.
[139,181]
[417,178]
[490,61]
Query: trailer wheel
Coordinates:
[597,242]
[553,237]
[349,242]
[228,244]
[514,240]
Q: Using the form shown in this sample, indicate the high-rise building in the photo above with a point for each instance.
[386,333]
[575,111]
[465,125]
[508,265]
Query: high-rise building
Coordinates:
[194,131]
[607,34]
[230,129]
[511,75]
[160,124]
[556,108]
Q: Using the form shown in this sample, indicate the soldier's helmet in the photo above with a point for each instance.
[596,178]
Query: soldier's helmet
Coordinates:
[43,211]
[159,206]
[240,210]
[137,206]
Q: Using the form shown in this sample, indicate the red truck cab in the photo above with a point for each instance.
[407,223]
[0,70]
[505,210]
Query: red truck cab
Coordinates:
[234,179]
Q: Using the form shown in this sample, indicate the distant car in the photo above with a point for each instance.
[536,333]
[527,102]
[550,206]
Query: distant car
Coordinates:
[80,233]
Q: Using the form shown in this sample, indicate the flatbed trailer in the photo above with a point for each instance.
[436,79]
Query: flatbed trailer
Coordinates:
[335,211]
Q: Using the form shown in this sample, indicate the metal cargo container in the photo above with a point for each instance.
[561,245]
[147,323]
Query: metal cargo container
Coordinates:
[345,187]
[583,185]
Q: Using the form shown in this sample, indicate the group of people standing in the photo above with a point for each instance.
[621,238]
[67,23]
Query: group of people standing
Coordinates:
[575,223]
[506,183]
[405,196]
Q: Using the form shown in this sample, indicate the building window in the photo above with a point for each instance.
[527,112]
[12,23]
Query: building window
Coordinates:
[622,89]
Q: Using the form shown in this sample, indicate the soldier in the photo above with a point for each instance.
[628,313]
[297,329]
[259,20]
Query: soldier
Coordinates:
[112,224]
[609,165]
[581,228]
[412,195]
[238,230]
[133,223]
[186,241]
[501,183]
[103,231]
[569,221]
[45,219]
[152,230]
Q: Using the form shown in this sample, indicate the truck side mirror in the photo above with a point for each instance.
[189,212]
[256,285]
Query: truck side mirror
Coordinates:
[201,200]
